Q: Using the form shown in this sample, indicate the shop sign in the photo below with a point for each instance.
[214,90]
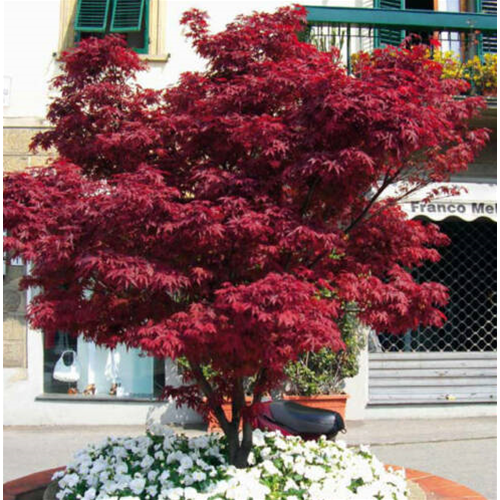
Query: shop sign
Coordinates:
[464,209]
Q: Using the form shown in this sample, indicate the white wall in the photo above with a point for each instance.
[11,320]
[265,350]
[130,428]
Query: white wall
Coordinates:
[31,38]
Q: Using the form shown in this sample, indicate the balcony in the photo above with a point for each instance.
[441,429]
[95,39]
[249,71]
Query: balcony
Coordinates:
[466,43]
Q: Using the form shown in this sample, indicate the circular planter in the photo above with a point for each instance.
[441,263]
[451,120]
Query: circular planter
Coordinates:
[32,487]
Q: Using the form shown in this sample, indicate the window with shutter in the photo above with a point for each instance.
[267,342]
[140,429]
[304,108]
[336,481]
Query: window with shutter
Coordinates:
[487,43]
[92,15]
[127,17]
[386,36]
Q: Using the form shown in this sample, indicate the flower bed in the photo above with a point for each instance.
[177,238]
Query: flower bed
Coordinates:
[175,467]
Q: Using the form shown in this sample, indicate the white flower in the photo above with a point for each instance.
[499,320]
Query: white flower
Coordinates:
[324,469]
[199,476]
[152,475]
[258,437]
[70,480]
[152,490]
[89,494]
[58,475]
[314,473]
[164,476]
[186,462]
[147,462]
[291,485]
[137,485]
[270,468]
[174,493]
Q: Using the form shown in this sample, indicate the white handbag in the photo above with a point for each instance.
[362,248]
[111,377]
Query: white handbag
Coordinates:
[67,373]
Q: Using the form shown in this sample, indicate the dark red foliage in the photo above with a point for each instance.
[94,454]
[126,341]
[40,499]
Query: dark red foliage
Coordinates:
[231,218]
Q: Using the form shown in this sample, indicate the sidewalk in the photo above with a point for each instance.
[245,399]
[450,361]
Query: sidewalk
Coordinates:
[463,450]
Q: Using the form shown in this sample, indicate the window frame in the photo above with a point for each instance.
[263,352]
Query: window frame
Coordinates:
[154,50]
[108,20]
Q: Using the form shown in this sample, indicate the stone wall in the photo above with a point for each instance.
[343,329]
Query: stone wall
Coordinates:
[14,322]
[16,157]
[16,153]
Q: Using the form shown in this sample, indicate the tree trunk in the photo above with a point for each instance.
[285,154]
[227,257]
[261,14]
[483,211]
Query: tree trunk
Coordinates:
[239,451]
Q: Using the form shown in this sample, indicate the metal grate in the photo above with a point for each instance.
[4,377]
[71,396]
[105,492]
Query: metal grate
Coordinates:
[468,268]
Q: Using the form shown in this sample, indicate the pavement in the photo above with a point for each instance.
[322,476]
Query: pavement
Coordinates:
[463,450]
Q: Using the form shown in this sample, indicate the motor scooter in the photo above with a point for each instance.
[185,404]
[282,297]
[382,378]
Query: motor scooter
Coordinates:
[294,419]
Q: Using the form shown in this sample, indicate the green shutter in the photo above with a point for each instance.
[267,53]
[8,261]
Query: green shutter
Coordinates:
[127,15]
[384,36]
[487,43]
[91,15]
[389,4]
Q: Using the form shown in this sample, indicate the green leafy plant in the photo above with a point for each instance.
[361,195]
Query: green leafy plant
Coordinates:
[324,371]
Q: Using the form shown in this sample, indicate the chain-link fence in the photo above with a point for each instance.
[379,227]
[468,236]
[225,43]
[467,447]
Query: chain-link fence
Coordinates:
[468,268]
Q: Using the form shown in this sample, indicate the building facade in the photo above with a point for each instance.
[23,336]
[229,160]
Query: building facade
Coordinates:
[449,372]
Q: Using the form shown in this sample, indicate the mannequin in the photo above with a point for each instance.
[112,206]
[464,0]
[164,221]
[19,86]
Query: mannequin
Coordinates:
[117,372]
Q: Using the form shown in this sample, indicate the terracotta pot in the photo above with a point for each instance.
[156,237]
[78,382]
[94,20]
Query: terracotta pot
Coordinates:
[334,402]
[213,424]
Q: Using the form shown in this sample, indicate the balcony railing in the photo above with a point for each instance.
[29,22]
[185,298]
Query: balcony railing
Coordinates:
[468,39]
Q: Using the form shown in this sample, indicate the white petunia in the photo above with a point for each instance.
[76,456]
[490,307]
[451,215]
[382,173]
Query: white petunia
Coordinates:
[90,494]
[324,470]
[270,468]
[137,485]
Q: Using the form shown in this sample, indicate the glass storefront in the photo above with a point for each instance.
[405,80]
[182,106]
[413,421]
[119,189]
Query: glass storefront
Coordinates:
[98,371]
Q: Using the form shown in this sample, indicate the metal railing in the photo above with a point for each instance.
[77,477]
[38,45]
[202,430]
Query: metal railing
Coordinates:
[350,30]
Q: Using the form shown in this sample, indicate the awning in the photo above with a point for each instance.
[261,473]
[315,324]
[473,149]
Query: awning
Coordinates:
[475,201]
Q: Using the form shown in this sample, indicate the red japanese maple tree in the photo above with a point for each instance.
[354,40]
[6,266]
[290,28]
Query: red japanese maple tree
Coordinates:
[228,220]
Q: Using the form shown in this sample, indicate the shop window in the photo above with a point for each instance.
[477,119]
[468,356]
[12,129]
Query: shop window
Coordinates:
[98,371]
[142,22]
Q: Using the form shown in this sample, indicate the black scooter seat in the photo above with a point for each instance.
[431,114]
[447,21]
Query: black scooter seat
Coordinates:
[305,420]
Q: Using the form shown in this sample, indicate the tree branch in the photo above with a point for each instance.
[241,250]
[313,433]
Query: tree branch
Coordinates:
[209,393]
[258,393]
[387,180]
[303,210]
[238,401]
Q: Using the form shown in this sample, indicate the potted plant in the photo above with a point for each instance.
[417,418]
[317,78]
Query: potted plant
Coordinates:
[317,378]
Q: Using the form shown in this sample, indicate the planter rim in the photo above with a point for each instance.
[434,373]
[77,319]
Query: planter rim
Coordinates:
[444,488]
[27,484]
[319,396]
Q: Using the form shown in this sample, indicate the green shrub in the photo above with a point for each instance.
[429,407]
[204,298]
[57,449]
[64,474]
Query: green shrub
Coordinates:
[324,371]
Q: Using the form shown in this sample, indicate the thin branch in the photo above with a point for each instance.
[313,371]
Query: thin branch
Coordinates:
[309,196]
[395,201]
[387,180]
[258,392]
[303,210]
